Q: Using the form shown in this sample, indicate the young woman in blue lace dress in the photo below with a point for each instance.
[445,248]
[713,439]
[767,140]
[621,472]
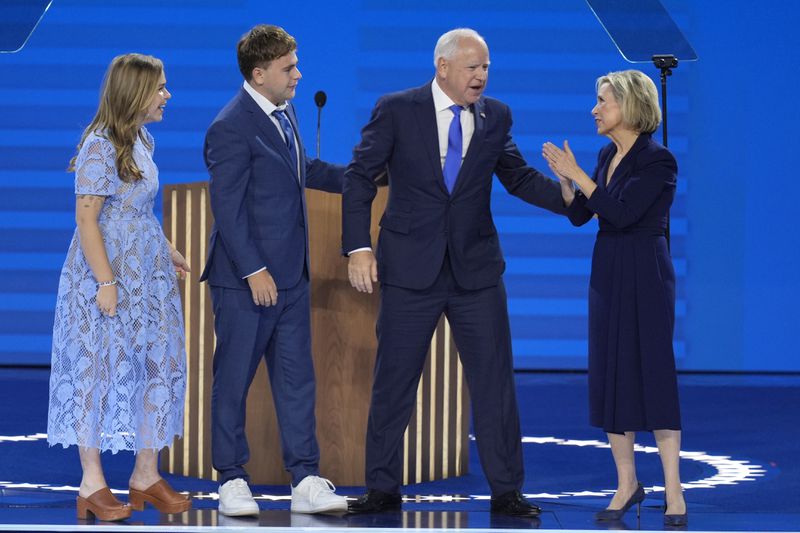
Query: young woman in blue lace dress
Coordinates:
[118,362]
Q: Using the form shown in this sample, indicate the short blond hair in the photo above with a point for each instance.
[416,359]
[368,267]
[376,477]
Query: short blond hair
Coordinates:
[637,97]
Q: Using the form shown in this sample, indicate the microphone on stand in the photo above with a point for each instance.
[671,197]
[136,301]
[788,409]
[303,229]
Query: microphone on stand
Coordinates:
[320,98]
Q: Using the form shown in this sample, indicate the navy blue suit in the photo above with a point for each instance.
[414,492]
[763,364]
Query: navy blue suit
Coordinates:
[258,202]
[438,252]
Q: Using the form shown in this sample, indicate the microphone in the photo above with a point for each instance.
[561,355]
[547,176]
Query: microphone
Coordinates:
[320,98]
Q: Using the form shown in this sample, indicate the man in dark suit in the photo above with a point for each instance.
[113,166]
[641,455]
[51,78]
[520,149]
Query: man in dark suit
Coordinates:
[259,273]
[438,252]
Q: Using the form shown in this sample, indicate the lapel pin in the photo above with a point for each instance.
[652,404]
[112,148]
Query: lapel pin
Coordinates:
[483,115]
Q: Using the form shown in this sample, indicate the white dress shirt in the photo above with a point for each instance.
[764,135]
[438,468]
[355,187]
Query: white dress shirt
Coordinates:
[268,108]
[444,116]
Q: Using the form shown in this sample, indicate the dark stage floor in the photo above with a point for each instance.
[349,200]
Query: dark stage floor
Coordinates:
[739,467]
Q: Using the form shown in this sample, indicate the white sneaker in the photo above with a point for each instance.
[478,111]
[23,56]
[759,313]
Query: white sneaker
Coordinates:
[325,522]
[235,499]
[237,521]
[316,495]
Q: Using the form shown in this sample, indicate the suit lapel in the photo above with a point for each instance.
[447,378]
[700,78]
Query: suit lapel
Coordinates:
[626,165]
[268,129]
[425,113]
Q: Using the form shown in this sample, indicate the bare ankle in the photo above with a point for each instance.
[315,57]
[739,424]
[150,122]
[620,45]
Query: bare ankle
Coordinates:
[143,480]
[674,497]
[91,485]
[628,486]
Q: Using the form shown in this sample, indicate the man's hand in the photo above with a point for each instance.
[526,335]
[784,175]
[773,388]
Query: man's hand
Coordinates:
[263,289]
[362,269]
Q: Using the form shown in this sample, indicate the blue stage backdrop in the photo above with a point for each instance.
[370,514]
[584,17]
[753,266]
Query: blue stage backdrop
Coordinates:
[734,252]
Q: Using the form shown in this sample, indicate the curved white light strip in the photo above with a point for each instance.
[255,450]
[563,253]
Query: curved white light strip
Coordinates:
[728,472]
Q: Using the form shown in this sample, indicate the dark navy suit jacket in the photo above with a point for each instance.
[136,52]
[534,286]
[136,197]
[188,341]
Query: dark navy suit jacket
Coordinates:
[257,199]
[639,195]
[422,220]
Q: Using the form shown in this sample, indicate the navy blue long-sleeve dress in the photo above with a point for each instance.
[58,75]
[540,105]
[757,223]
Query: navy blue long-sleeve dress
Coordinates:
[632,378]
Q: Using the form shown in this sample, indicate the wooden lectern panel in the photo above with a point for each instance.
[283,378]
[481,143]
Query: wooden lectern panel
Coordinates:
[343,346]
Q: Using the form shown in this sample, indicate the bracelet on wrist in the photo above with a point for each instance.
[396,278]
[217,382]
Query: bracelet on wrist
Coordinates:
[106,283]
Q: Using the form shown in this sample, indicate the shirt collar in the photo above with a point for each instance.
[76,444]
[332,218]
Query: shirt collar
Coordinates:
[262,101]
[440,100]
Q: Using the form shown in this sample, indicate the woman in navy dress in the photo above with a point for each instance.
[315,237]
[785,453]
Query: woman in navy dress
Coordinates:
[632,378]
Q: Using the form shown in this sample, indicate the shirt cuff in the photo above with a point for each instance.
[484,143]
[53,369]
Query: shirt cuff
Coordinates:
[256,272]
[359,250]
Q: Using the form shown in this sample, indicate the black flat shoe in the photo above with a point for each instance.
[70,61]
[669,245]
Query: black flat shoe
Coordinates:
[609,515]
[375,501]
[513,504]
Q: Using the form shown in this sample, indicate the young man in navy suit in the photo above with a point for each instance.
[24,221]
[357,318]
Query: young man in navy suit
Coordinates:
[259,273]
[438,252]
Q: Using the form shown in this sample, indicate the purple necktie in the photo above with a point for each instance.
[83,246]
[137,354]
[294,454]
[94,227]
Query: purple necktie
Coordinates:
[452,160]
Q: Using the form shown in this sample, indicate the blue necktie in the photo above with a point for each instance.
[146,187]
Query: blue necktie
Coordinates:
[452,161]
[288,134]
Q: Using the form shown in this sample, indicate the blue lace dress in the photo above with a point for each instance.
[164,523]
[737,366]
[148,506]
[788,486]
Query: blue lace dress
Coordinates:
[118,383]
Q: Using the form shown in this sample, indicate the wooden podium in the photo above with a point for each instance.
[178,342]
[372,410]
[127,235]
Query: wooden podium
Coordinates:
[343,345]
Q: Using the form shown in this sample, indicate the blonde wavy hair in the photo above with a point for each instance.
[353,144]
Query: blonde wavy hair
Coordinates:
[637,97]
[128,87]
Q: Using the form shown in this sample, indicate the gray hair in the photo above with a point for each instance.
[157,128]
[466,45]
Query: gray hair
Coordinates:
[447,44]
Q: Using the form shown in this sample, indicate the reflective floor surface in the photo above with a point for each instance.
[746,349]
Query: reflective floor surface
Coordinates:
[739,468]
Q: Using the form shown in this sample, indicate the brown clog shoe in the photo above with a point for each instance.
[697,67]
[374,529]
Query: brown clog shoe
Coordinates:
[103,506]
[161,496]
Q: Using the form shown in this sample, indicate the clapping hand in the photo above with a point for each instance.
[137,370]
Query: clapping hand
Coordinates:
[561,162]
